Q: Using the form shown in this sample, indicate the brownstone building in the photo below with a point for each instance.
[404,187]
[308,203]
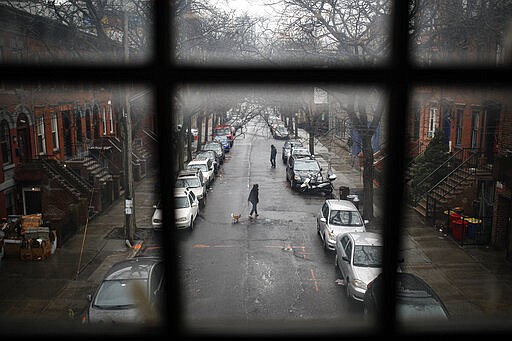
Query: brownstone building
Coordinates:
[62,144]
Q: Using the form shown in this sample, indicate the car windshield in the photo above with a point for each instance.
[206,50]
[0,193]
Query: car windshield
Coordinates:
[119,294]
[205,155]
[200,166]
[289,145]
[212,146]
[345,218]
[223,131]
[368,256]
[419,309]
[191,182]
[306,166]
[181,202]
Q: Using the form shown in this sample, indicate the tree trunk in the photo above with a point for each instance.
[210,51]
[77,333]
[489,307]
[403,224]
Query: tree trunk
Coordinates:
[366,146]
[199,123]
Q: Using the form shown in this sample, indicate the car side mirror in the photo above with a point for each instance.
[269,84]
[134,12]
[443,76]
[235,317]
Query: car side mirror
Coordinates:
[194,203]
[323,220]
[89,297]
[332,177]
[366,222]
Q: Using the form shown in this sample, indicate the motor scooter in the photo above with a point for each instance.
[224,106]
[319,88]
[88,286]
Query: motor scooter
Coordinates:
[324,187]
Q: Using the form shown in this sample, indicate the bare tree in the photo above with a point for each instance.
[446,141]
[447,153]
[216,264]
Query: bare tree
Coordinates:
[101,19]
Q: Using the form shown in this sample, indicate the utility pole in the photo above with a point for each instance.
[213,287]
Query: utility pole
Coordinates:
[129,195]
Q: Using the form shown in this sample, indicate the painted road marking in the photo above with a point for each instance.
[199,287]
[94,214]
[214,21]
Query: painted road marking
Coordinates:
[313,278]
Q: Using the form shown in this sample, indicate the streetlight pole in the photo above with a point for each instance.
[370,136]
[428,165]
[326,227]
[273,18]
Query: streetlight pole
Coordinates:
[129,208]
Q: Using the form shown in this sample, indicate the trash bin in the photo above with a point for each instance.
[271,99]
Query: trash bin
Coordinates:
[458,227]
[344,192]
[473,227]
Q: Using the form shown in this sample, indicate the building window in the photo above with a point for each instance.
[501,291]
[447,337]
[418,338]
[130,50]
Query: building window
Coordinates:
[111,117]
[458,131]
[10,202]
[474,128]
[5,142]
[416,127]
[41,145]
[55,132]
[432,122]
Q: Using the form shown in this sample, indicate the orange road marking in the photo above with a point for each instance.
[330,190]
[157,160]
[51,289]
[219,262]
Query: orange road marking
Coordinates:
[314,280]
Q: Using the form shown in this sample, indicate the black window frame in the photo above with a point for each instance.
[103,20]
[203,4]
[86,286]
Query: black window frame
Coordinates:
[398,77]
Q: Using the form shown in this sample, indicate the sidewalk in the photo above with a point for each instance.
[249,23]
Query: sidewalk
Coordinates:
[57,288]
[473,281]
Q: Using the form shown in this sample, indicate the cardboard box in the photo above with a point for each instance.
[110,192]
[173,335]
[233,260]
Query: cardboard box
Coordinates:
[38,253]
[32,220]
[26,254]
[12,247]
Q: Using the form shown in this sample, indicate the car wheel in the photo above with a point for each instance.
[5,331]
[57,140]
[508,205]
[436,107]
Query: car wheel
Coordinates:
[317,228]
[336,262]
[191,226]
[326,248]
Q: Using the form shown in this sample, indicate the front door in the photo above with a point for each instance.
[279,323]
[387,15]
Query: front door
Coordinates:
[31,200]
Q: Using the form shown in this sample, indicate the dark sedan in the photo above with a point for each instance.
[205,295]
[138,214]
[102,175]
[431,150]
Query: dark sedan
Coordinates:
[415,299]
[300,169]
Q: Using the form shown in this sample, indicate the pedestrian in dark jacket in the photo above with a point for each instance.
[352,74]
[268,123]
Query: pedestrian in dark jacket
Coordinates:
[273,153]
[253,199]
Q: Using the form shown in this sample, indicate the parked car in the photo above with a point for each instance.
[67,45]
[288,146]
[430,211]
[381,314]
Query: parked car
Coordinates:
[193,183]
[186,208]
[415,299]
[194,172]
[336,217]
[209,154]
[132,291]
[281,133]
[299,153]
[226,143]
[225,130]
[216,146]
[206,166]
[300,169]
[359,260]
[288,145]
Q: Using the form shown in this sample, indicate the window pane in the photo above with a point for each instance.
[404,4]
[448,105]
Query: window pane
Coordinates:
[77,32]
[458,206]
[285,33]
[262,274]
[460,32]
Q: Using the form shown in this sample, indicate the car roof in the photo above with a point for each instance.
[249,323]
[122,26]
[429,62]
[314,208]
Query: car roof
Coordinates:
[195,162]
[300,149]
[133,268]
[341,205]
[290,142]
[189,172]
[366,238]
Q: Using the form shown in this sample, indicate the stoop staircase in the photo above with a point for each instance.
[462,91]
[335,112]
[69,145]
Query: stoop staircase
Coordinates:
[443,187]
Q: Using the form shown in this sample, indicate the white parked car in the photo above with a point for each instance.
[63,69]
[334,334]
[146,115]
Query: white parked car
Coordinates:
[359,259]
[193,183]
[157,218]
[186,208]
[337,217]
[206,166]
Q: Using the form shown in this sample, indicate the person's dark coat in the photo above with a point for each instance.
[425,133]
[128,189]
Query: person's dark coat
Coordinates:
[273,152]
[253,195]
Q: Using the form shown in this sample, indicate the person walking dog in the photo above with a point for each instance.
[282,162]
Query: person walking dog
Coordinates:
[253,199]
[273,153]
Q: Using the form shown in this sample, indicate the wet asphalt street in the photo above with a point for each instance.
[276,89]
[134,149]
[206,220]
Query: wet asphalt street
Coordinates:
[268,270]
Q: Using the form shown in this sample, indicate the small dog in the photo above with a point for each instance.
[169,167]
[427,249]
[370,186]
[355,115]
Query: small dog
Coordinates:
[235,218]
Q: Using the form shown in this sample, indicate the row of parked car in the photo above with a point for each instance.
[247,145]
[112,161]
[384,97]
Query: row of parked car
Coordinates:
[358,252]
[195,180]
